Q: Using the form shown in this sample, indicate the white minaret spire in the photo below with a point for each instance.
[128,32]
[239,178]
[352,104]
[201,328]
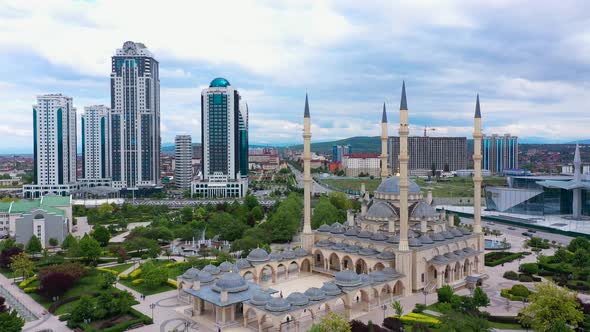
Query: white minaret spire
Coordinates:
[306,169]
[477,135]
[404,131]
[384,137]
[577,192]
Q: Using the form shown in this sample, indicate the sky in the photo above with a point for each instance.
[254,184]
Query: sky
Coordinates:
[528,60]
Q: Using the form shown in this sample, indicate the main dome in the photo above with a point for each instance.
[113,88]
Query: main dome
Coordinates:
[230,282]
[391,186]
[219,82]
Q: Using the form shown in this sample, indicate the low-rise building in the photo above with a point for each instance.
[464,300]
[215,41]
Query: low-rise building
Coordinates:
[11,211]
[361,163]
[42,224]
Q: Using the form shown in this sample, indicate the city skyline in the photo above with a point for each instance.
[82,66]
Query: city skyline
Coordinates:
[378,45]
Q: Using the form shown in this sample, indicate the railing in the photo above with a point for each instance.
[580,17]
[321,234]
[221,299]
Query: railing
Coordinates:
[14,303]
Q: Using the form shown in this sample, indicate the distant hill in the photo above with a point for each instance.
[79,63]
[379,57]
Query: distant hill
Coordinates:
[582,141]
[358,143]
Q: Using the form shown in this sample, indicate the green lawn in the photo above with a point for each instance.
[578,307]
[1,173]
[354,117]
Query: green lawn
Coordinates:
[354,184]
[496,325]
[144,290]
[120,268]
[8,273]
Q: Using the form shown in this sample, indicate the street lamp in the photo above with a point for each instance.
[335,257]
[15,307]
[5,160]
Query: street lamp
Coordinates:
[424,292]
[384,307]
[186,324]
[152,306]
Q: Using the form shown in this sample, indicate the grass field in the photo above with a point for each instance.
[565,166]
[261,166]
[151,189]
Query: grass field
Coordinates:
[448,187]
[120,268]
[173,272]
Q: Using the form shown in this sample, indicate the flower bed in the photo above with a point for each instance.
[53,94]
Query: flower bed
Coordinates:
[413,318]
[23,284]
[501,257]
[104,269]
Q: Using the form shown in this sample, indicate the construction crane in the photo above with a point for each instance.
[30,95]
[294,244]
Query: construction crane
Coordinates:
[428,129]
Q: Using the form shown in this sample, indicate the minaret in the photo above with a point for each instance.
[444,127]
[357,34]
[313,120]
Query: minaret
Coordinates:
[477,135]
[384,137]
[577,192]
[403,171]
[307,237]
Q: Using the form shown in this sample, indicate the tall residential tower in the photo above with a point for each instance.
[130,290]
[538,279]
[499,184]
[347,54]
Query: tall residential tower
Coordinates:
[96,143]
[183,156]
[135,117]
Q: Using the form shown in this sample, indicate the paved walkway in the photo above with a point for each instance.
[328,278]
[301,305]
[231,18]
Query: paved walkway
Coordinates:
[119,238]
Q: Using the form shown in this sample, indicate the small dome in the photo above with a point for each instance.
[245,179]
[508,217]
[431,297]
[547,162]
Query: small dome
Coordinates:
[386,256]
[439,259]
[393,239]
[378,237]
[219,82]
[389,271]
[459,253]
[225,266]
[391,186]
[277,304]
[381,210]
[456,232]
[447,235]
[243,263]
[231,282]
[423,210]
[211,269]
[315,294]
[288,254]
[297,299]
[191,273]
[414,242]
[411,233]
[351,232]
[367,252]
[323,243]
[324,228]
[347,278]
[451,256]
[437,237]
[205,277]
[337,228]
[258,255]
[331,289]
[378,276]
[352,248]
[338,246]
[425,239]
[275,256]
[260,298]
[365,278]
[365,234]
[300,252]
[464,230]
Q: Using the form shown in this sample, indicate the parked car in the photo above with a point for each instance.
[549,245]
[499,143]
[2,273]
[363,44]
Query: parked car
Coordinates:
[511,228]
[527,234]
[531,231]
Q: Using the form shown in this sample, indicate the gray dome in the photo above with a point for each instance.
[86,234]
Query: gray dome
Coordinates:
[352,248]
[423,210]
[459,253]
[331,289]
[381,210]
[225,266]
[205,277]
[411,233]
[315,294]
[191,273]
[211,269]
[437,237]
[414,242]
[439,259]
[447,235]
[275,256]
[393,239]
[378,237]
[337,229]
[391,186]
[323,243]
[451,256]
[389,271]
[386,255]
[258,255]
[425,239]
[365,278]
[277,304]
[297,299]
[378,276]
[243,263]
[338,246]
[464,230]
[260,298]
[347,278]
[324,228]
[231,282]
[365,234]
[456,232]
[367,252]
[300,252]
[288,254]
[351,232]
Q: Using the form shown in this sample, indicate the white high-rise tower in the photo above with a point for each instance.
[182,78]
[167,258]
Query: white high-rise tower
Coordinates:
[183,156]
[96,143]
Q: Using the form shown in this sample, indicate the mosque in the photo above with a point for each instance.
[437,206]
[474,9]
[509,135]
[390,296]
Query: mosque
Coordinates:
[398,244]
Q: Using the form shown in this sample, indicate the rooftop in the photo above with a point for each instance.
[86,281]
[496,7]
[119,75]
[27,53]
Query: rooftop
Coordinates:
[219,82]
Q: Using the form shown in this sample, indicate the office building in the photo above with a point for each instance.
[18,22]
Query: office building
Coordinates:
[135,118]
[96,146]
[54,147]
[361,164]
[42,224]
[10,212]
[499,153]
[338,152]
[445,153]
[183,171]
[224,137]
[265,159]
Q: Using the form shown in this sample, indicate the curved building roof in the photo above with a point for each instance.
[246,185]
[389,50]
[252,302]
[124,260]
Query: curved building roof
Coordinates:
[391,186]
[231,282]
[380,210]
[219,82]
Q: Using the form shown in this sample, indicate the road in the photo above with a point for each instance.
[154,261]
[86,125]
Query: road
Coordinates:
[315,187]
[179,203]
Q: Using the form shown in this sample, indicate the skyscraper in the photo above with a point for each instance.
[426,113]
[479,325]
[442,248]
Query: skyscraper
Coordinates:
[500,152]
[183,155]
[54,146]
[135,117]
[96,143]
[224,135]
[339,151]
[446,153]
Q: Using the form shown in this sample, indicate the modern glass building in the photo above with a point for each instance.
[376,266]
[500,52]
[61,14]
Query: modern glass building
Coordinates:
[224,136]
[499,153]
[135,117]
[339,151]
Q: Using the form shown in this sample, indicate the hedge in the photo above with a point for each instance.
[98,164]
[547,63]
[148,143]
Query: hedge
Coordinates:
[32,289]
[174,264]
[172,283]
[141,319]
[413,318]
[504,319]
[123,276]
[103,269]
[26,282]
[506,293]
[503,260]
[135,273]
[137,281]
[525,278]
[510,275]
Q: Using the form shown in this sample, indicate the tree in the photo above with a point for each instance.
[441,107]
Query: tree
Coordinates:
[397,308]
[433,169]
[22,264]
[480,298]
[226,226]
[257,213]
[251,202]
[34,245]
[69,241]
[332,322]
[53,242]
[186,214]
[339,200]
[577,243]
[7,254]
[7,244]
[89,248]
[445,293]
[551,303]
[324,213]
[107,279]
[152,275]
[102,235]
[83,310]
[581,258]
[458,323]
[559,326]
[9,319]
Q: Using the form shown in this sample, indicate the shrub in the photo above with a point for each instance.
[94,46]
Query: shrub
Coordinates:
[525,278]
[137,281]
[444,308]
[529,268]
[419,308]
[413,318]
[393,324]
[123,276]
[135,273]
[520,290]
[107,270]
[511,275]
[445,294]
[26,282]
[173,264]
[172,283]
[29,290]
